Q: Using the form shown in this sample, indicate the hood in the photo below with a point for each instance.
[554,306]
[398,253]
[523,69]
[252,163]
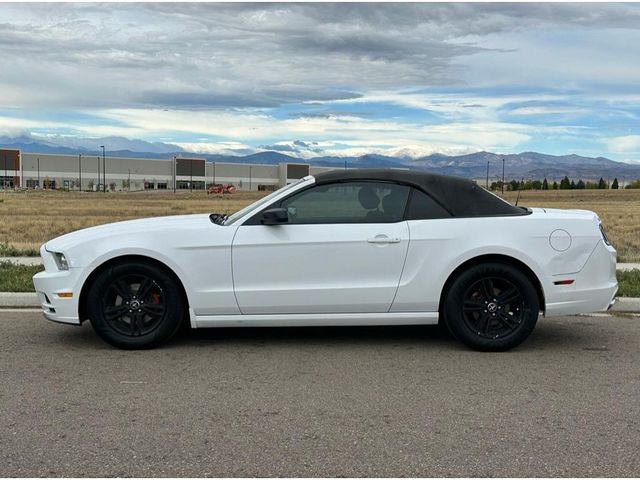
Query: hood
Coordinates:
[155,225]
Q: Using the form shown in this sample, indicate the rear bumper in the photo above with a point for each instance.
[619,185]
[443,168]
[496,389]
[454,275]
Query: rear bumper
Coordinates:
[58,309]
[594,287]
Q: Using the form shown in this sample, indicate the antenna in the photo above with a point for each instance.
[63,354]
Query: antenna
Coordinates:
[519,190]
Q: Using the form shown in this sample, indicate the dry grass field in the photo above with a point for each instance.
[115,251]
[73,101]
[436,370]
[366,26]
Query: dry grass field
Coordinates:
[27,219]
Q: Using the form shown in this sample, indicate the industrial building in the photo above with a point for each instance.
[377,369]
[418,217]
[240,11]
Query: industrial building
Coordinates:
[95,172]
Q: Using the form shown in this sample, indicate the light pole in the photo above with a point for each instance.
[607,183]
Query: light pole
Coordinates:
[503,176]
[104,170]
[129,181]
[39,186]
[4,180]
[80,171]
[174,174]
[250,180]
[98,184]
[191,175]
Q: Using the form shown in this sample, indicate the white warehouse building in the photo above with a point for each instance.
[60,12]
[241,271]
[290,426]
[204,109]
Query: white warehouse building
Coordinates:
[88,172]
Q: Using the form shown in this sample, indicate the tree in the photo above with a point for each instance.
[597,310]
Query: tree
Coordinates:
[580,185]
[515,185]
[614,185]
[545,184]
[565,184]
[602,185]
[555,185]
[572,185]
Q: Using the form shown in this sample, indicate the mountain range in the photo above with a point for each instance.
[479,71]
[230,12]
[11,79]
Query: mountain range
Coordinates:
[472,165]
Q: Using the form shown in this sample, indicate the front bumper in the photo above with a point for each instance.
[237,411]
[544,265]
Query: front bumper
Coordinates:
[50,283]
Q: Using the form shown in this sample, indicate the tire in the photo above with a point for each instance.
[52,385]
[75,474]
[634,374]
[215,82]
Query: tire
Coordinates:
[492,307]
[135,305]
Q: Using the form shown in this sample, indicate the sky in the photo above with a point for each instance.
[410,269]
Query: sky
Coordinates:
[325,79]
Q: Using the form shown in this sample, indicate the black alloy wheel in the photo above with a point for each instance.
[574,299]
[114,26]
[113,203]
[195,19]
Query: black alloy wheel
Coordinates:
[491,307]
[135,305]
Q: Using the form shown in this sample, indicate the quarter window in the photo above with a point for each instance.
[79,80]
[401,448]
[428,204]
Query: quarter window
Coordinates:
[349,202]
[423,207]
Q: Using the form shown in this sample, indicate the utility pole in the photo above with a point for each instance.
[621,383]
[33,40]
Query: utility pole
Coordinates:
[249,177]
[487,175]
[104,170]
[39,186]
[214,173]
[503,176]
[191,175]
[4,182]
[129,181]
[80,171]
[174,174]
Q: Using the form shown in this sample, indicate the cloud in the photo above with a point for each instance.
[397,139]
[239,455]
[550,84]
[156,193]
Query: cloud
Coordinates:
[624,144]
[410,77]
[548,110]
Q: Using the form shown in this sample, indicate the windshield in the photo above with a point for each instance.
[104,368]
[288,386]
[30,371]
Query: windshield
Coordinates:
[256,205]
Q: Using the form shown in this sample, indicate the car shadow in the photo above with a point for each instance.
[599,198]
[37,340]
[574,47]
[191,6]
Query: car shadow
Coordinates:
[548,335]
[315,335]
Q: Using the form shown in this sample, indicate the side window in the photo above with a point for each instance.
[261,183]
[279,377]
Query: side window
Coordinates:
[423,207]
[349,202]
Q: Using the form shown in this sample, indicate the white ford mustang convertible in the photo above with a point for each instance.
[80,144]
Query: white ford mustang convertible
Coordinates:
[352,247]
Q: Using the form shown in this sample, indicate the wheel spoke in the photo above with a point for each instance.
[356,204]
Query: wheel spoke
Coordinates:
[471,305]
[145,288]
[507,320]
[114,311]
[153,309]
[487,288]
[509,296]
[122,289]
[485,320]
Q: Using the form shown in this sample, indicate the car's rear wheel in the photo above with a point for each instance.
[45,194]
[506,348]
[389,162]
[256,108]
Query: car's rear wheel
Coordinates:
[135,305]
[492,307]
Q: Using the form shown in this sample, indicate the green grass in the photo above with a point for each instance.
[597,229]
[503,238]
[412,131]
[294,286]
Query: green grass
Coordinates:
[17,278]
[629,283]
[7,250]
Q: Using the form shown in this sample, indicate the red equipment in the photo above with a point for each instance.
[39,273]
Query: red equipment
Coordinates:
[221,188]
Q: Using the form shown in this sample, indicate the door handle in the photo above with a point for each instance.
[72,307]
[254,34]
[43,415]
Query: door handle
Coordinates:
[383,239]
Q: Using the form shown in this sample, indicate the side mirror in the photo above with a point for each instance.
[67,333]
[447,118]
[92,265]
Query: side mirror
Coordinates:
[275,216]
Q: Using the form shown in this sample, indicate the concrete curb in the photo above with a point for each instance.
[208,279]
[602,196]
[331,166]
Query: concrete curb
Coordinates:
[30,300]
[18,300]
[626,304]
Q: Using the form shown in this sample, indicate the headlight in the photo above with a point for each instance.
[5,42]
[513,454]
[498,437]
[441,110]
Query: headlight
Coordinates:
[61,260]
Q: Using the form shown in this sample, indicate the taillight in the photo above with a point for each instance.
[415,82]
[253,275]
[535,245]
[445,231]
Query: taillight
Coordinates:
[604,235]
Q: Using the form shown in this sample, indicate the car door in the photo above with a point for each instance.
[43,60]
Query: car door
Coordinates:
[341,250]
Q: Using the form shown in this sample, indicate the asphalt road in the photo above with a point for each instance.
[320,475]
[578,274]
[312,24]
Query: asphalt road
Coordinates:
[320,402]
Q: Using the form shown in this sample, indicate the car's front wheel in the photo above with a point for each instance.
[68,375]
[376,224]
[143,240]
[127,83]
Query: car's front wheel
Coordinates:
[492,307]
[135,305]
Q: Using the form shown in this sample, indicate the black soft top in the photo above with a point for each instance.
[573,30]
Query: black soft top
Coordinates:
[462,197]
